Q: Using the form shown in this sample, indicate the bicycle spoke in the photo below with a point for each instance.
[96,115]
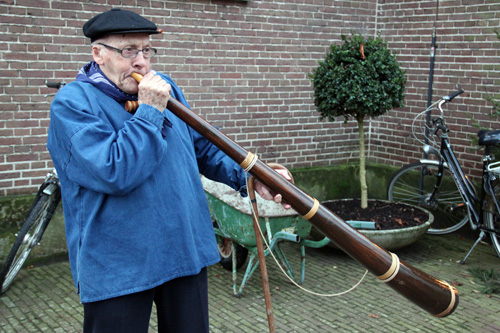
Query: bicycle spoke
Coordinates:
[446,204]
[29,235]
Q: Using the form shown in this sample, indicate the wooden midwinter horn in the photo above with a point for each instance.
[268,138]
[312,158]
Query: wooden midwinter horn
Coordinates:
[435,296]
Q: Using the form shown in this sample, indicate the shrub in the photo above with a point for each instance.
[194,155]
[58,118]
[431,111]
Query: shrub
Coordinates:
[356,79]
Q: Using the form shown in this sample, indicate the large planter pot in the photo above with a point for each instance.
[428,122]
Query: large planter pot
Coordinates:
[392,239]
[397,238]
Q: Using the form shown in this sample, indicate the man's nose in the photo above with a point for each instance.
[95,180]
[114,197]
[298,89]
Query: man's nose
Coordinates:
[139,60]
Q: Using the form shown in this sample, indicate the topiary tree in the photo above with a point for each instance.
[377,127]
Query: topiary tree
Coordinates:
[357,79]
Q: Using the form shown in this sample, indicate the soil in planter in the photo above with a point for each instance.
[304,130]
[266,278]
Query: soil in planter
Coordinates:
[386,215]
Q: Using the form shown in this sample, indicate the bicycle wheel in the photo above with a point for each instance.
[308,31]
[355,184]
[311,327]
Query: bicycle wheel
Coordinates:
[491,216]
[28,236]
[449,210]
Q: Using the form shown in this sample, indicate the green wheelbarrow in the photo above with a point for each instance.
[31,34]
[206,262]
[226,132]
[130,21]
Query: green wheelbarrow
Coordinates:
[233,225]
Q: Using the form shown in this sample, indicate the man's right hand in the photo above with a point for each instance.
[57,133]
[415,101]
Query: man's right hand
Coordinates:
[154,91]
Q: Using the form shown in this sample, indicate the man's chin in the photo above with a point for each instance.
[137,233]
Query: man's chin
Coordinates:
[130,88]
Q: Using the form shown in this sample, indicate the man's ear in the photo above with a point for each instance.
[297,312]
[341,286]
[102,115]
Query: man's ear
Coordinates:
[97,54]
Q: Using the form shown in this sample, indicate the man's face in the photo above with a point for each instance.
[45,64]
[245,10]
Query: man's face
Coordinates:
[117,68]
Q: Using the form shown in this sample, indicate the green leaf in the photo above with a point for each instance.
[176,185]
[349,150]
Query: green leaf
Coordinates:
[345,84]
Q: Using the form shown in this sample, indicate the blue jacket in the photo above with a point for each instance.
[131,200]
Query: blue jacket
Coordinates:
[135,211]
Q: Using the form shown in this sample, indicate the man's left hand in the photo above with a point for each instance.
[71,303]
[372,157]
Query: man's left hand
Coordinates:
[268,194]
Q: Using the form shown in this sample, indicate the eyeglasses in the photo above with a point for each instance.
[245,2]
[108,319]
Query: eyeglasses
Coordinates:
[132,52]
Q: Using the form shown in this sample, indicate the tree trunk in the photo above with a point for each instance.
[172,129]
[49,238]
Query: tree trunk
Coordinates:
[362,165]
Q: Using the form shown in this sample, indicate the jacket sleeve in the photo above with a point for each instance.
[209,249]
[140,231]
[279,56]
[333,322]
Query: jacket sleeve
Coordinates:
[95,155]
[216,165]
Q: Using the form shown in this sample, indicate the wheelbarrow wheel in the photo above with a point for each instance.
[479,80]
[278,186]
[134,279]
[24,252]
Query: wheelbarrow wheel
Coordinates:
[225,247]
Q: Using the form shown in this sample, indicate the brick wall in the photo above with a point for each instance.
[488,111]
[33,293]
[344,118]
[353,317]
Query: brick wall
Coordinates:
[467,54]
[244,67]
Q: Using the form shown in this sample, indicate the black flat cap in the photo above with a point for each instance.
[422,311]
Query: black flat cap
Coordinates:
[118,21]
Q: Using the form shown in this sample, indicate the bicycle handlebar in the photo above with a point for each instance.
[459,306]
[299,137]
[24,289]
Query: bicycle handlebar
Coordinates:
[55,85]
[450,97]
[447,99]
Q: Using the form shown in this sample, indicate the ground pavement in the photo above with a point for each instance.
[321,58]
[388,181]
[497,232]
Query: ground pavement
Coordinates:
[44,299]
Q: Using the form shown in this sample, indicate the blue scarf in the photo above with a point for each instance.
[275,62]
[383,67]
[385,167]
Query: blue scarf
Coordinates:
[93,74]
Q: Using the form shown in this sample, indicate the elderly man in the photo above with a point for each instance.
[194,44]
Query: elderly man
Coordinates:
[137,222]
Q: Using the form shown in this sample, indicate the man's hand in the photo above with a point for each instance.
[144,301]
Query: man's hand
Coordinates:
[154,91]
[268,194]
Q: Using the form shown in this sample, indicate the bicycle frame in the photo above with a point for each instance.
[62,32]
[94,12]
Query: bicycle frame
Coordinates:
[448,159]
[443,187]
[447,156]
[463,184]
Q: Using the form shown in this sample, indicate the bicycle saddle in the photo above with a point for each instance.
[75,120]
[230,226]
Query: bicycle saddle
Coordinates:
[487,138]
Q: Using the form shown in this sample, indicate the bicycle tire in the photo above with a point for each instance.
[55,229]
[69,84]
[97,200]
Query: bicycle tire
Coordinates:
[491,217]
[28,236]
[449,210]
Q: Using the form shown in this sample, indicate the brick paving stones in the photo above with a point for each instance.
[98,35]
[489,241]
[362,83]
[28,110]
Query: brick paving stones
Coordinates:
[44,299]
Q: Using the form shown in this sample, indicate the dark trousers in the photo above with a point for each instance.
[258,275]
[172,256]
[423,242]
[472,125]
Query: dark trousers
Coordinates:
[181,304]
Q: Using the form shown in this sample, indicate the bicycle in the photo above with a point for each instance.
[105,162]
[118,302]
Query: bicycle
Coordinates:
[44,205]
[441,186]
